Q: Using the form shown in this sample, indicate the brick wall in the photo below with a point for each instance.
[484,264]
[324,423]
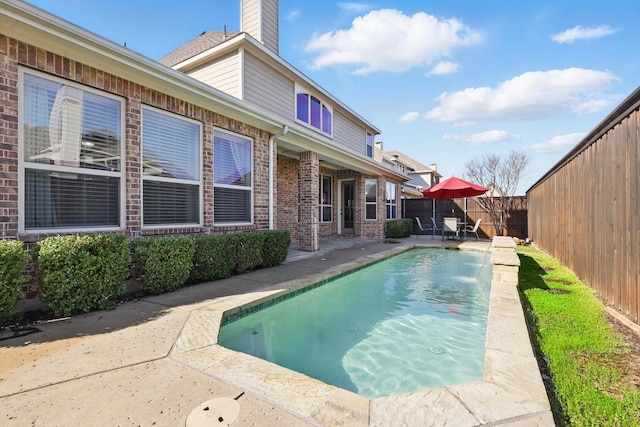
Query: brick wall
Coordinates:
[287,214]
[14,53]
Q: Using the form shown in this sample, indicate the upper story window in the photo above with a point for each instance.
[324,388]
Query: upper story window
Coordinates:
[171,185]
[312,111]
[232,178]
[71,156]
[369,145]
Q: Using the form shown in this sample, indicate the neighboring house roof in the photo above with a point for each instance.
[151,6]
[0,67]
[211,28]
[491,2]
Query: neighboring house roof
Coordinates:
[205,41]
[412,163]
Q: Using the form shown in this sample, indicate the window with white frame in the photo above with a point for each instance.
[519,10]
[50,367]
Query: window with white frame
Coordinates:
[314,112]
[71,156]
[392,200]
[371,198]
[232,178]
[171,165]
[369,140]
[326,198]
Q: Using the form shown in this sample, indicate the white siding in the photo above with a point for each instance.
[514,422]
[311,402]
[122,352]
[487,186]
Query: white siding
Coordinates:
[267,88]
[250,17]
[348,134]
[224,74]
[259,18]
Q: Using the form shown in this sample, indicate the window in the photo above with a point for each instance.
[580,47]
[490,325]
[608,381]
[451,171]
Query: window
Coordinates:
[171,147]
[232,178]
[371,198]
[369,139]
[312,111]
[326,196]
[71,151]
[392,200]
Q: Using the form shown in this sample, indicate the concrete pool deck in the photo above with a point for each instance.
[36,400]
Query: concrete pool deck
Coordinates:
[152,361]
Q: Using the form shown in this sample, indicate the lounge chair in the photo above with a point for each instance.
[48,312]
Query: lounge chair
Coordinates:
[423,228]
[473,228]
[435,227]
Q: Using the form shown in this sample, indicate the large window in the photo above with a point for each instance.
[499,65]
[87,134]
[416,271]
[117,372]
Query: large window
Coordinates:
[326,197]
[369,140]
[392,200]
[71,151]
[371,198]
[312,111]
[232,178]
[171,147]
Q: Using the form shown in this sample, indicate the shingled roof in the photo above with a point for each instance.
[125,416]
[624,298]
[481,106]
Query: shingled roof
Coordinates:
[206,40]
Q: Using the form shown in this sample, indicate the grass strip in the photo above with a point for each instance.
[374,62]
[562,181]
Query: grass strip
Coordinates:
[587,360]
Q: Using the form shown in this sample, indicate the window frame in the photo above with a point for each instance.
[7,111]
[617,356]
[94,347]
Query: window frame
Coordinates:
[180,181]
[369,137]
[324,110]
[322,204]
[250,188]
[391,203]
[23,165]
[367,203]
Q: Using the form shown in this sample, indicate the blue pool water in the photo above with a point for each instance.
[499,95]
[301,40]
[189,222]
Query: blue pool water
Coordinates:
[413,321]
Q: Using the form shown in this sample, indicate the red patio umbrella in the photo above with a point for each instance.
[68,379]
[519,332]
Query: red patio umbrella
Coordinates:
[454,188]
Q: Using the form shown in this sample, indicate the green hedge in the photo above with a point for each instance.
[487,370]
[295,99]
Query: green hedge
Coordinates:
[82,273]
[397,228]
[248,251]
[214,257]
[275,247]
[13,263]
[163,263]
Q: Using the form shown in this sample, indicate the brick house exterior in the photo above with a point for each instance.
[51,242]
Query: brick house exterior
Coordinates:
[39,46]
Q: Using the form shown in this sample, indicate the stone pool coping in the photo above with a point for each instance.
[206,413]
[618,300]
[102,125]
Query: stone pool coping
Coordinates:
[510,393]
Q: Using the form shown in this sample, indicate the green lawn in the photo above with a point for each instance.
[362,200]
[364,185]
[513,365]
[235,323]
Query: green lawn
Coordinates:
[586,358]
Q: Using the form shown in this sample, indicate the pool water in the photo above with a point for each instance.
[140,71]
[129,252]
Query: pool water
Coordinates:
[414,321]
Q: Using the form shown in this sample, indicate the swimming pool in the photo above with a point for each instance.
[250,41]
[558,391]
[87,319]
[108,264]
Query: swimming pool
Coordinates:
[413,321]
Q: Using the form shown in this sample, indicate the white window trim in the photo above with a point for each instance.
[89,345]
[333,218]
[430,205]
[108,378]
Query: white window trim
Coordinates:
[394,201]
[299,89]
[366,144]
[371,203]
[22,165]
[144,177]
[251,188]
[324,205]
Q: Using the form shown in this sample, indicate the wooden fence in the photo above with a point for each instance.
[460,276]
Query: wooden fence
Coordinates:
[585,210]
[423,208]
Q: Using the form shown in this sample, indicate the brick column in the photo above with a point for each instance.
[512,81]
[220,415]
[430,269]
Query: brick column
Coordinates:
[308,211]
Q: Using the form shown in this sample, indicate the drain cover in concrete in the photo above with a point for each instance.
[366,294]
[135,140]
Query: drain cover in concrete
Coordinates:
[221,411]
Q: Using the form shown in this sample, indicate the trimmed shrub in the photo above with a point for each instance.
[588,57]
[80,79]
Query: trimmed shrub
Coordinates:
[214,257]
[163,263]
[275,247]
[82,273]
[248,251]
[398,228]
[13,274]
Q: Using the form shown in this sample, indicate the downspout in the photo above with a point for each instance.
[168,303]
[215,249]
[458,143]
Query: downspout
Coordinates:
[272,139]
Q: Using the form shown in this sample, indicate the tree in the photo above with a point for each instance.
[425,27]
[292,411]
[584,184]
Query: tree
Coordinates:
[501,176]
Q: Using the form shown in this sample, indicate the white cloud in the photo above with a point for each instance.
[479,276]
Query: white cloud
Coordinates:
[487,137]
[354,7]
[388,40]
[409,117]
[292,15]
[558,144]
[530,96]
[444,67]
[582,33]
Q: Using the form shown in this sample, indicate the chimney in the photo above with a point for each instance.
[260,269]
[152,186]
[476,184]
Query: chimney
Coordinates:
[378,145]
[259,19]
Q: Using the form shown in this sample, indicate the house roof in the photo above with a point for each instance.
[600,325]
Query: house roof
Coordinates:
[205,41]
[412,163]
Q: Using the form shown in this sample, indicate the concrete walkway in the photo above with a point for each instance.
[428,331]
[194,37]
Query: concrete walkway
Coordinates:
[143,364]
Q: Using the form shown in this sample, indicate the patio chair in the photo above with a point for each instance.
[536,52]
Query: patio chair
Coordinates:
[450,225]
[435,227]
[423,228]
[473,228]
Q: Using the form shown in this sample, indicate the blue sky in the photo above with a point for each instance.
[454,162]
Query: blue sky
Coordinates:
[445,81]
